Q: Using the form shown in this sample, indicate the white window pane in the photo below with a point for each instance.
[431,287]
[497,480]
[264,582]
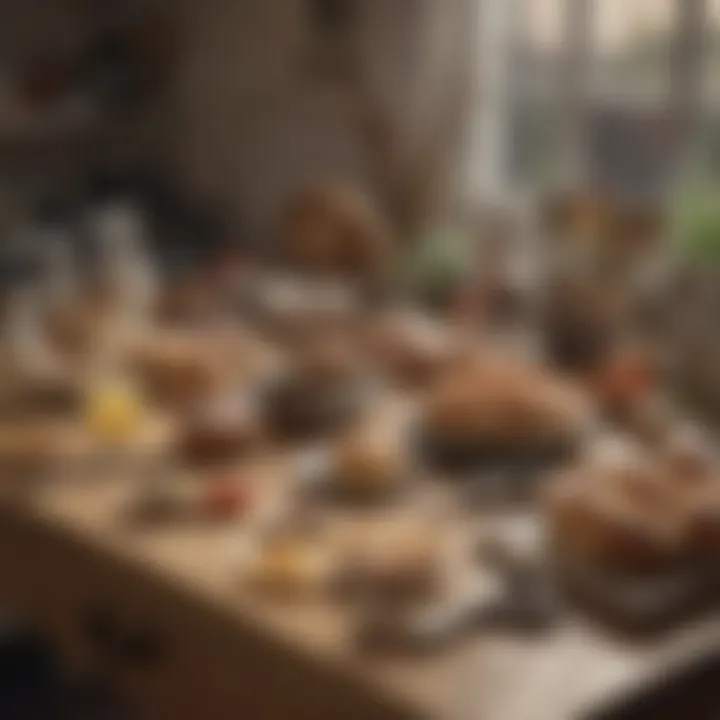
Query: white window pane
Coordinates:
[633,43]
[539,42]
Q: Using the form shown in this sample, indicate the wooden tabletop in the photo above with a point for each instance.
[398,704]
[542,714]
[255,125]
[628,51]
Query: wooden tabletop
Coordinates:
[502,676]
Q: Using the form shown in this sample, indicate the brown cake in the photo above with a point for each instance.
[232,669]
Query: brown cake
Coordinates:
[322,391]
[395,561]
[654,515]
[292,566]
[702,522]
[492,410]
[370,463]
[611,531]
[184,369]
[176,373]
[221,430]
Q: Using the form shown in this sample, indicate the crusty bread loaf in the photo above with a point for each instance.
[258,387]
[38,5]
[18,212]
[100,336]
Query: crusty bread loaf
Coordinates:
[333,229]
[504,403]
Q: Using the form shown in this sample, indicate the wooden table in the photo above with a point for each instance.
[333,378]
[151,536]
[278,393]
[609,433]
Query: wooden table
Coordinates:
[162,612]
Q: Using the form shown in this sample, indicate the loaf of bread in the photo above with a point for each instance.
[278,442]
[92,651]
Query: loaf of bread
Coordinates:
[639,514]
[504,404]
[333,229]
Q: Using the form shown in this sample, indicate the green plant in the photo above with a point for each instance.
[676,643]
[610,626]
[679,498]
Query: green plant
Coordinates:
[697,228]
[440,262]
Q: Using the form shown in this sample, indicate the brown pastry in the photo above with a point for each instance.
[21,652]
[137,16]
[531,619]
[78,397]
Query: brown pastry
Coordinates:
[611,532]
[331,229]
[395,562]
[643,486]
[176,374]
[182,369]
[369,464]
[492,410]
[329,359]
[323,391]
[291,567]
[702,521]
[220,431]
[686,458]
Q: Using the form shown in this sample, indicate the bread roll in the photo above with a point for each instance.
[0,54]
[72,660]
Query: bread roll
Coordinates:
[336,230]
[369,463]
[505,405]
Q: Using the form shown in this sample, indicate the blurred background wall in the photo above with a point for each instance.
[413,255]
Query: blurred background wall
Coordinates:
[269,97]
[235,102]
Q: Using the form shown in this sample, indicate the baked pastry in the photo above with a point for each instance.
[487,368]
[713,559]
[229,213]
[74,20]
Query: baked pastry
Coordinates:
[395,562]
[323,391]
[182,369]
[610,531]
[617,536]
[687,457]
[291,566]
[648,516]
[221,430]
[176,373]
[497,411]
[329,229]
[369,463]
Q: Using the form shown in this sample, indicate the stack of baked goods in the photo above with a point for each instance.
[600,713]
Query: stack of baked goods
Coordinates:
[291,561]
[639,515]
[371,462]
[395,560]
[220,430]
[494,410]
[323,390]
[180,369]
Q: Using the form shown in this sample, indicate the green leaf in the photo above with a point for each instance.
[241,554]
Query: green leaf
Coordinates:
[697,227]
